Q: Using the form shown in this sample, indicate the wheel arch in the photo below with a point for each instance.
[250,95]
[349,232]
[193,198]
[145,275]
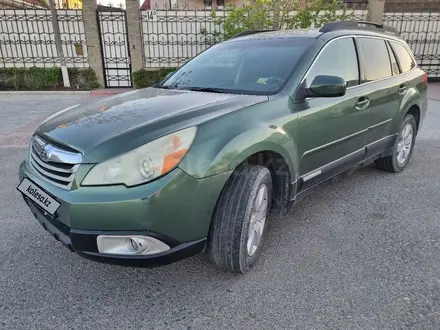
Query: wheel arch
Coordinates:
[281,176]
[416,112]
[410,105]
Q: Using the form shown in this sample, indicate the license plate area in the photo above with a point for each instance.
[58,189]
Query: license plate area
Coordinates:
[40,197]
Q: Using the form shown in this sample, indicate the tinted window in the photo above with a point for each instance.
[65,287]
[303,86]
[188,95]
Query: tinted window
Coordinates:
[406,62]
[376,60]
[394,65]
[337,59]
[253,66]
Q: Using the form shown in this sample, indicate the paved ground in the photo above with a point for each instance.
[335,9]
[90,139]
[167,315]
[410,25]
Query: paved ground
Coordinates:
[361,254]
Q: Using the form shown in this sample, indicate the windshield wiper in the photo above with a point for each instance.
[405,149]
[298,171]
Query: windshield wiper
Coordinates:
[164,87]
[207,89]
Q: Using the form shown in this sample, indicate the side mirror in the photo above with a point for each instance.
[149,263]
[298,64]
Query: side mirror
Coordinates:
[328,86]
[324,86]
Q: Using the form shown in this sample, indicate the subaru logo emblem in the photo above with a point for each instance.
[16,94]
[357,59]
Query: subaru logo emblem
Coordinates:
[44,155]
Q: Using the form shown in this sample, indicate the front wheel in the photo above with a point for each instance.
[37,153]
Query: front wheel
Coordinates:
[403,147]
[239,223]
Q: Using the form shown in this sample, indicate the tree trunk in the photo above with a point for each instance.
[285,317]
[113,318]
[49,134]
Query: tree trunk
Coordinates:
[59,46]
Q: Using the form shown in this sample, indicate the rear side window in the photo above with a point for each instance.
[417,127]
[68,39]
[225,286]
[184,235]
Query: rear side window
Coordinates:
[339,59]
[394,65]
[376,60]
[406,61]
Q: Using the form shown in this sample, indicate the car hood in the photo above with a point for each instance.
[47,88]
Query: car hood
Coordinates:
[117,124]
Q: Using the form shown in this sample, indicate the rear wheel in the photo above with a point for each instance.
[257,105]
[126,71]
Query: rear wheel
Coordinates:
[403,147]
[240,219]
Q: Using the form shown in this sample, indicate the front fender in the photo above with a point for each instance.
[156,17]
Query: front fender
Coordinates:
[240,147]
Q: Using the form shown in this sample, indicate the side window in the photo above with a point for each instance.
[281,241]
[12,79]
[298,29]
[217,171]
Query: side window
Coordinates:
[337,59]
[376,60]
[394,65]
[406,61]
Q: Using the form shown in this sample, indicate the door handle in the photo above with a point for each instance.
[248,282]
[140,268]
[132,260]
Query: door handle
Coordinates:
[402,89]
[362,103]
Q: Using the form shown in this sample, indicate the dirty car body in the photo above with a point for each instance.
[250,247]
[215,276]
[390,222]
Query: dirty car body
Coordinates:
[136,179]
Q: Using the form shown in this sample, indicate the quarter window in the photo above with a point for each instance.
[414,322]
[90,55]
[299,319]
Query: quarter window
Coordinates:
[406,61]
[337,59]
[394,65]
[376,60]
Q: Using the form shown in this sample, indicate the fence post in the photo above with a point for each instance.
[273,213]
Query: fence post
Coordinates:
[134,34]
[375,10]
[94,50]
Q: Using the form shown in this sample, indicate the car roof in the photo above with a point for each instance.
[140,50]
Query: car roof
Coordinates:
[281,34]
[315,33]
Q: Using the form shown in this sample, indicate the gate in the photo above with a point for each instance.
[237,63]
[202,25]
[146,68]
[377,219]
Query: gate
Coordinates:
[115,48]
[422,33]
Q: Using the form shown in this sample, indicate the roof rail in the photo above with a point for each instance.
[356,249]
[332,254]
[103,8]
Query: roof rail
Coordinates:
[249,32]
[344,25]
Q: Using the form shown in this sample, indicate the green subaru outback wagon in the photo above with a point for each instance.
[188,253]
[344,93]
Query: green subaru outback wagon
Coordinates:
[249,126]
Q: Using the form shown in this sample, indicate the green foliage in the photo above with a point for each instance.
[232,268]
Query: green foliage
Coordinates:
[146,78]
[11,78]
[316,14]
[46,78]
[274,14]
[41,78]
[83,78]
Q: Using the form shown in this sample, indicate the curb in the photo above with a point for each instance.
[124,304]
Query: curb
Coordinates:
[96,92]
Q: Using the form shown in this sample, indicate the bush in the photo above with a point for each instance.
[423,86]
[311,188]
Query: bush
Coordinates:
[46,78]
[41,78]
[146,78]
[83,78]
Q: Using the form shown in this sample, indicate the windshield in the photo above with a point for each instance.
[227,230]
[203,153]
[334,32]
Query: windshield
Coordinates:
[248,67]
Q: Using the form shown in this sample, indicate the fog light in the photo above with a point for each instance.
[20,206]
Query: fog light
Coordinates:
[139,245]
[134,244]
[130,245]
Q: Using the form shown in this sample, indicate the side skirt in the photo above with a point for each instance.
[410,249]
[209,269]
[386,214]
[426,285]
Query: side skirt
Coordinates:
[297,196]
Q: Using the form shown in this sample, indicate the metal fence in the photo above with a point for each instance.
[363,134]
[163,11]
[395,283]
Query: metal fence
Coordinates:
[422,33]
[171,37]
[27,38]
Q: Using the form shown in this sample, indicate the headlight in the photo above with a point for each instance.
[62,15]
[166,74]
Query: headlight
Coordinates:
[144,163]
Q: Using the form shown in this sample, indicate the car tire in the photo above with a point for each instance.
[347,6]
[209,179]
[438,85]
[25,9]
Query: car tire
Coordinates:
[239,222]
[403,147]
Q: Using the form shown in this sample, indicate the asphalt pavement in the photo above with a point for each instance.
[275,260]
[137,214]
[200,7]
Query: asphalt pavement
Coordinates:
[363,253]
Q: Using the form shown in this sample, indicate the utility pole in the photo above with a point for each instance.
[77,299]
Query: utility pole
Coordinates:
[59,46]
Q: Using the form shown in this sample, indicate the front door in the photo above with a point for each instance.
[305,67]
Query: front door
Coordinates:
[332,131]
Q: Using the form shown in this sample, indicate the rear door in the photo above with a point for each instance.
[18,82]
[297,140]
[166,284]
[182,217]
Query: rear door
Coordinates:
[332,131]
[383,89]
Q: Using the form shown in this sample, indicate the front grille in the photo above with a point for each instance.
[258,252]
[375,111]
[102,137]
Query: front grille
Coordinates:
[58,173]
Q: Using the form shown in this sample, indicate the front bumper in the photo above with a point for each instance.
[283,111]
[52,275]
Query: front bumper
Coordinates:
[84,243]
[176,209]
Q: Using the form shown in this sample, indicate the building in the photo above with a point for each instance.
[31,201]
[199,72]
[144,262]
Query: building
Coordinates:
[390,5]
[187,4]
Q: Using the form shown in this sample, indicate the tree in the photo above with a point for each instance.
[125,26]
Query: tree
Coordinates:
[275,14]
